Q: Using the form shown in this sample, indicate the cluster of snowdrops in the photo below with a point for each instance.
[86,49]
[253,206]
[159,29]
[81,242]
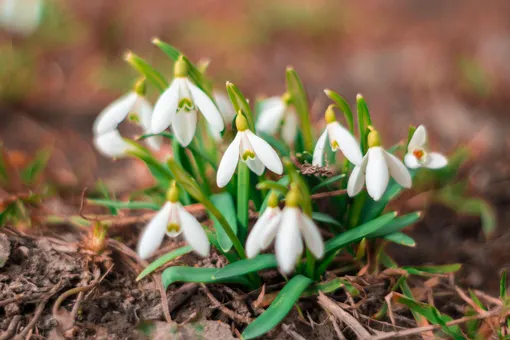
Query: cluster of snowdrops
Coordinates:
[252,144]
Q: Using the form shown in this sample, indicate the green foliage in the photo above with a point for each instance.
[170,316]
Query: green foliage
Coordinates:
[279,308]
[225,204]
[247,266]
[161,261]
[300,102]
[196,274]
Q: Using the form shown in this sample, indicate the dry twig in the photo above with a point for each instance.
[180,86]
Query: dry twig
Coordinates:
[231,314]
[331,307]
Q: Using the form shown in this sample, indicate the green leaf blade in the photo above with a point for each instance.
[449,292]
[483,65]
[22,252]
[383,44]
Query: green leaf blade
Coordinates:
[242,267]
[280,307]
[161,261]
[196,274]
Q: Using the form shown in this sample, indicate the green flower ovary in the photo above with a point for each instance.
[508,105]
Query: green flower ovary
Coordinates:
[186,104]
[173,228]
[248,154]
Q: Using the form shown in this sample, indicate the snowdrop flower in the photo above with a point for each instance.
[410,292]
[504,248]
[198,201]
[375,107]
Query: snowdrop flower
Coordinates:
[290,227]
[133,106]
[227,112]
[178,106]
[274,111]
[418,154]
[111,144]
[251,149]
[172,220]
[376,168]
[21,16]
[339,138]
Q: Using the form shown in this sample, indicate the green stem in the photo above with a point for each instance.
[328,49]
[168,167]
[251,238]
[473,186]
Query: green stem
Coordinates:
[243,197]
[199,162]
[230,233]
[355,211]
[310,264]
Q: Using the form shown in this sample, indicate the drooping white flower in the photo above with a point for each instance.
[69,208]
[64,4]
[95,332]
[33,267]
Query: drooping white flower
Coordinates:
[227,111]
[21,16]
[339,138]
[290,227]
[178,106]
[376,168]
[111,144]
[172,220]
[249,148]
[418,154]
[132,105]
[274,110]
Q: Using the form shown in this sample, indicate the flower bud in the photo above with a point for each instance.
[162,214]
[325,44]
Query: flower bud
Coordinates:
[287,98]
[293,197]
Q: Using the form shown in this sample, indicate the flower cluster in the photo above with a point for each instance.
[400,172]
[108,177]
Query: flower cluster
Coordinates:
[177,108]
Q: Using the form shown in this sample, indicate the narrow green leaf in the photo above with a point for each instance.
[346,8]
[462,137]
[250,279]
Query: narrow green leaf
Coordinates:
[503,286]
[272,185]
[332,286]
[225,204]
[400,238]
[147,70]
[357,233]
[280,307]
[124,205]
[242,267]
[300,102]
[295,176]
[30,173]
[196,274]
[240,104]
[194,73]
[440,269]
[160,171]
[325,218]
[432,315]
[161,261]
[327,182]
[399,223]
[342,105]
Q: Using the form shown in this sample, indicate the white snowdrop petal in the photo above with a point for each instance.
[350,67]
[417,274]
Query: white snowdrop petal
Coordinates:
[398,170]
[271,228]
[174,217]
[206,106]
[253,244]
[270,119]
[256,166]
[265,153]
[436,161]
[289,244]
[346,142]
[318,152]
[377,174]
[356,181]
[194,233]
[154,142]
[228,162]
[166,107]
[312,236]
[114,114]
[290,127]
[111,144]
[270,102]
[143,109]
[184,126]
[225,107]
[419,138]
[21,17]
[411,161]
[154,232]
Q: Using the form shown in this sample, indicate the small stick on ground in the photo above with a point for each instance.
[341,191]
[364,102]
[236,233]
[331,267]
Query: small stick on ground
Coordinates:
[334,309]
[38,312]
[295,335]
[231,314]
[328,194]
[11,330]
[338,332]
[418,330]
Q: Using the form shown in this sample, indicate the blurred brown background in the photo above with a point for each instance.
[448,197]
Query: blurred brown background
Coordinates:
[441,63]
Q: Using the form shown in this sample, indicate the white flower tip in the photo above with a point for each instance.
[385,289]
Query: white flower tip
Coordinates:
[128,56]
[327,92]
[155,40]
[359,96]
